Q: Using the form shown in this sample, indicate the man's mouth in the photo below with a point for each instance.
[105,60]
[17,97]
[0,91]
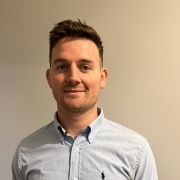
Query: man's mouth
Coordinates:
[74,90]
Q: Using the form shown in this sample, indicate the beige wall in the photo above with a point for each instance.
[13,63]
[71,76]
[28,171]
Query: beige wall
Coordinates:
[142,53]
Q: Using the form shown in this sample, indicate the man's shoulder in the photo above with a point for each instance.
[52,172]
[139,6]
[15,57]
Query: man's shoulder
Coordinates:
[124,134]
[42,135]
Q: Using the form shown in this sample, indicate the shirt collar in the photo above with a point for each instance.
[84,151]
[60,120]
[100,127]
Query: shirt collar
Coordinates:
[92,129]
[59,129]
[95,126]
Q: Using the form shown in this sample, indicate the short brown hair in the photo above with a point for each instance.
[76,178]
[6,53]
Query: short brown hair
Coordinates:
[71,28]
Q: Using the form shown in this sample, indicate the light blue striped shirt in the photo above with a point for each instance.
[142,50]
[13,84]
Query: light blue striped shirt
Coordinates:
[103,150]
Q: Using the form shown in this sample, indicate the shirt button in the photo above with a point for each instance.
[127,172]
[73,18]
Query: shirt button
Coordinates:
[75,178]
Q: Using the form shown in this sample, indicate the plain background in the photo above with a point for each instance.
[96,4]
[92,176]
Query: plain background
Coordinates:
[142,52]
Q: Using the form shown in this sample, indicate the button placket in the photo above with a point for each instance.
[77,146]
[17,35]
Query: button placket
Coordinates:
[75,158]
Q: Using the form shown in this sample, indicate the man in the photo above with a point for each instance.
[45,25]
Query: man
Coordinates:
[81,144]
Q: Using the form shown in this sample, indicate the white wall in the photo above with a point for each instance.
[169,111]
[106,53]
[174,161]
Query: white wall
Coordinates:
[142,53]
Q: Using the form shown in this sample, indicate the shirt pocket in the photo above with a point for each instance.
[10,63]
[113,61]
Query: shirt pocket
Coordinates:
[99,176]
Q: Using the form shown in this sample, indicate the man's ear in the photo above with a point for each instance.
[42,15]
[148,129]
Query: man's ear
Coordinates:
[48,77]
[104,76]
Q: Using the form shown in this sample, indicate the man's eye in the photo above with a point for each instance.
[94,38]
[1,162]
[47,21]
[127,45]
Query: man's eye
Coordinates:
[85,68]
[62,67]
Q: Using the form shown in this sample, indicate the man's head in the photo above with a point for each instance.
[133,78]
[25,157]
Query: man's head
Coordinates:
[76,75]
[77,29]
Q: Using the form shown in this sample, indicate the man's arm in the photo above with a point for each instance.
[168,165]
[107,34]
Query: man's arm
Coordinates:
[147,166]
[16,167]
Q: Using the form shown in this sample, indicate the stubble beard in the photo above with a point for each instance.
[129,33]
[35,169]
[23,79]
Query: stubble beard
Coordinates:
[75,108]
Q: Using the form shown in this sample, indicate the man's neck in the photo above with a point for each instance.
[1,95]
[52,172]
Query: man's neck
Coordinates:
[74,122]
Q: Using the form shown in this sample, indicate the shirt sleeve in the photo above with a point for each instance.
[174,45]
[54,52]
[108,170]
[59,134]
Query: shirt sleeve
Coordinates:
[16,166]
[146,169]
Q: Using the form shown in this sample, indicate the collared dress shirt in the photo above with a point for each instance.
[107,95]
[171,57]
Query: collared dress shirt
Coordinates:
[104,150]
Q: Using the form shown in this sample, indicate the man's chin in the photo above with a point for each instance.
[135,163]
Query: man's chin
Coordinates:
[75,108]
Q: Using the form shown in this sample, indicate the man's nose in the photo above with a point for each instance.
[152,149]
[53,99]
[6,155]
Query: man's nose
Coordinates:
[73,74]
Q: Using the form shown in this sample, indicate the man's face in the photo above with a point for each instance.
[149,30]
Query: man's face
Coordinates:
[75,75]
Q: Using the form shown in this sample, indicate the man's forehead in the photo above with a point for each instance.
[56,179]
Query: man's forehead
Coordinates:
[84,47]
[81,46]
[70,40]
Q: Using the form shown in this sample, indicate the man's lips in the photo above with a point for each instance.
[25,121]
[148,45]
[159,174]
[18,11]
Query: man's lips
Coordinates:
[73,93]
[74,90]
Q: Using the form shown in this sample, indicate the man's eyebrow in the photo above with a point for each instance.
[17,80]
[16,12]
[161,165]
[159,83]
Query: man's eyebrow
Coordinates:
[86,61]
[59,60]
[62,60]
